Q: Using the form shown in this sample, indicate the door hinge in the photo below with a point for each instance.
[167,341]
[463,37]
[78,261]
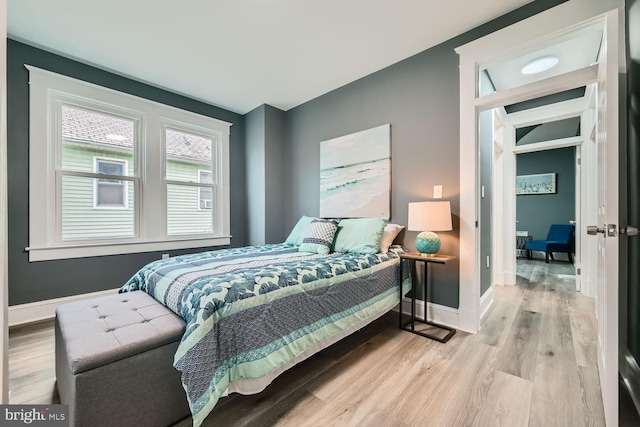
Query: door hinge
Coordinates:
[476,224]
[578,271]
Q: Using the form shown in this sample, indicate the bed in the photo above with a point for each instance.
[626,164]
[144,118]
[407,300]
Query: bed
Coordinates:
[256,311]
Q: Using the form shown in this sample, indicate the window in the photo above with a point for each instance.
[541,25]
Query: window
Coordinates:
[109,193]
[188,157]
[205,194]
[94,143]
[89,194]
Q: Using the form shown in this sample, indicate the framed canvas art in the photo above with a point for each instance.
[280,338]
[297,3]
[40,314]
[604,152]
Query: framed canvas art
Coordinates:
[355,174]
[542,183]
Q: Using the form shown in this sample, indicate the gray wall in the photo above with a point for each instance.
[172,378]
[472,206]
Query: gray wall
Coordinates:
[29,282]
[536,213]
[255,175]
[485,139]
[275,137]
[553,130]
[420,98]
[265,132]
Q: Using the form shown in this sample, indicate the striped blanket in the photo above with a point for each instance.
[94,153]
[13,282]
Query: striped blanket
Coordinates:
[251,310]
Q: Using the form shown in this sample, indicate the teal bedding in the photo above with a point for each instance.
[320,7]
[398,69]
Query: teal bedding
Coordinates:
[251,310]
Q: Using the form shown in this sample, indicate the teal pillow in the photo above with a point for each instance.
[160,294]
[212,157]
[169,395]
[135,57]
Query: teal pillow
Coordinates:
[319,237]
[299,231]
[359,235]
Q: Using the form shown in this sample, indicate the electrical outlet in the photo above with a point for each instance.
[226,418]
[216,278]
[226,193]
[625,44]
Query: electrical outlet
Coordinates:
[165,256]
[437,191]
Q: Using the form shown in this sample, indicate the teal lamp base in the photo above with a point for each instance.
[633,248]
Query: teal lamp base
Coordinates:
[428,243]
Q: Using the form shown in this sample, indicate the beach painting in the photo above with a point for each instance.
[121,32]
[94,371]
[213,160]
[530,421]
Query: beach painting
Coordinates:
[355,175]
[543,183]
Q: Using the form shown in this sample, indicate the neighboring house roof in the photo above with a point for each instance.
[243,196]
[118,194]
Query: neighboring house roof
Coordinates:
[99,128]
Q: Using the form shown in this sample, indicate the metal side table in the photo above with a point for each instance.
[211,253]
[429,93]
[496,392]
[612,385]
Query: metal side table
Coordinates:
[413,258]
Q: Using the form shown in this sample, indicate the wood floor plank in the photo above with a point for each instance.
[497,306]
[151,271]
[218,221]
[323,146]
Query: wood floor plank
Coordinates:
[428,374]
[31,342]
[584,330]
[457,403]
[240,410]
[380,418]
[591,397]
[533,297]
[519,353]
[510,398]
[371,357]
[555,401]
[390,361]
[30,370]
[496,325]
[291,412]
[43,389]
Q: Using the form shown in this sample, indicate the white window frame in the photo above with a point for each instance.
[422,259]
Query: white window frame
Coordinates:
[50,90]
[96,183]
[200,208]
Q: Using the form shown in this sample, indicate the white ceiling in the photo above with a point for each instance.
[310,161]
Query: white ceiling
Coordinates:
[573,54]
[239,54]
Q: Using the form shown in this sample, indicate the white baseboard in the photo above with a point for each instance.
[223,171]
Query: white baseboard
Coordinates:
[43,310]
[468,321]
[437,313]
[509,278]
[486,300]
[587,289]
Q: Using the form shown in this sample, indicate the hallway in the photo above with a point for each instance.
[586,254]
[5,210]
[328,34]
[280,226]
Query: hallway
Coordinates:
[546,333]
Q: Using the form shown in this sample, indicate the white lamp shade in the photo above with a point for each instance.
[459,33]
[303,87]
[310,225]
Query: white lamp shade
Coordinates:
[430,216]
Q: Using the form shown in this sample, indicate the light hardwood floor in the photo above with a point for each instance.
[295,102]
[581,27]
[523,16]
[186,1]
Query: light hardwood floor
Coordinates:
[532,364]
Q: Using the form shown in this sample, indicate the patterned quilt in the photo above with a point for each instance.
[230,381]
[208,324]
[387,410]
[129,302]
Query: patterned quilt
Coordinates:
[250,310]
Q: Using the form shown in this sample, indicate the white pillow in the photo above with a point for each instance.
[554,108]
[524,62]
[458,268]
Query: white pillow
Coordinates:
[388,236]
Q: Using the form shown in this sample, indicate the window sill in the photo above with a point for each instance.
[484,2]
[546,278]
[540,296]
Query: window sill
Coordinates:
[102,249]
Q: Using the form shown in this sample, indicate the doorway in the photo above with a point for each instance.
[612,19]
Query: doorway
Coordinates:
[528,37]
[553,165]
[546,203]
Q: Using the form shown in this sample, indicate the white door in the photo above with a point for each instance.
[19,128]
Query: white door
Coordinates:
[606,133]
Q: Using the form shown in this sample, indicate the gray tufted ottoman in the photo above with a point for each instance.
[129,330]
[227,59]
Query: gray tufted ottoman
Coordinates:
[114,361]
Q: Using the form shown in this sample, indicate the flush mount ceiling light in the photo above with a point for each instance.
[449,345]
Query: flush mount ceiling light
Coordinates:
[539,65]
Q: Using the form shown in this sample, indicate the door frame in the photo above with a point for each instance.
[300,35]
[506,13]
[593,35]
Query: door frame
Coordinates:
[497,209]
[558,23]
[580,107]
[554,25]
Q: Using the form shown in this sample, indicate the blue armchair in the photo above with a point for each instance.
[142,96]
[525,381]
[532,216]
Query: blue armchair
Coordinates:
[560,239]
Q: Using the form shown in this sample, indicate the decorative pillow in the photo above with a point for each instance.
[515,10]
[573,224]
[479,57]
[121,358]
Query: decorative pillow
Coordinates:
[319,236]
[389,234]
[359,235]
[299,231]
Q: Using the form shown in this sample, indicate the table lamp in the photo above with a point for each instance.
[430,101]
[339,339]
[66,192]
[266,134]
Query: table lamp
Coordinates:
[428,217]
